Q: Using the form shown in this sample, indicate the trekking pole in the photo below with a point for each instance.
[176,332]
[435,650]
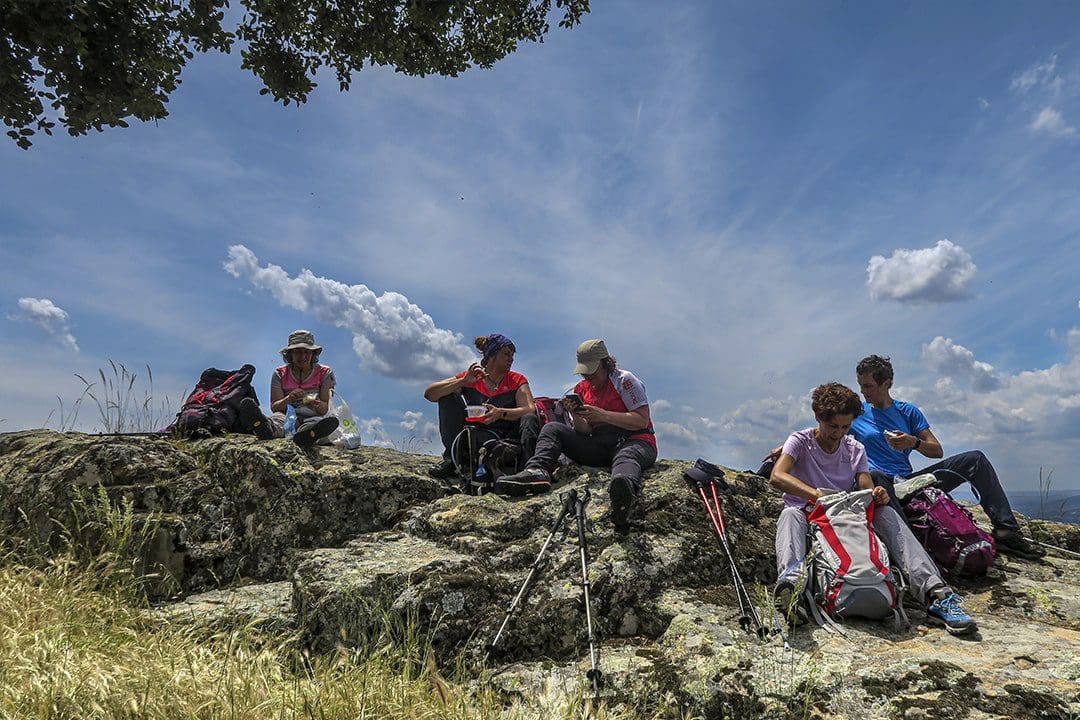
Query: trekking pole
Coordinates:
[748,616]
[569,499]
[1064,551]
[594,673]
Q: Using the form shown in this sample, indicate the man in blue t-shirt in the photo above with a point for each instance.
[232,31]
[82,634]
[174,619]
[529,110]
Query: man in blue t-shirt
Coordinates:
[890,429]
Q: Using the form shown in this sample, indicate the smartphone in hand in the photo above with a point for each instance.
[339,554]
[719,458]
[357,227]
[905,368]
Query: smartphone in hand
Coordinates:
[575,400]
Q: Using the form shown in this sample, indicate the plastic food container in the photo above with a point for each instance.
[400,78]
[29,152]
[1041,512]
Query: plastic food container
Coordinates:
[474,410]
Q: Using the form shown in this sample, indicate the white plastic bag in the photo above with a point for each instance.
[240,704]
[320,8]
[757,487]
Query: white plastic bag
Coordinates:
[347,434]
[290,421]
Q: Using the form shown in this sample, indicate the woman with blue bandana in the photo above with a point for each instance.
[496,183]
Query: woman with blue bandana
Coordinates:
[504,394]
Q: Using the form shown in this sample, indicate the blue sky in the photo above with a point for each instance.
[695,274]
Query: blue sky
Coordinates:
[743,200]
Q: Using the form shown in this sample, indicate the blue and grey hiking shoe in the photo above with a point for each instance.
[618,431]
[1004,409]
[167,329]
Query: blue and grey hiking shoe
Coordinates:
[946,612]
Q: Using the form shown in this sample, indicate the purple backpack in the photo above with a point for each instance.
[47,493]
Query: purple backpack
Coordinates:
[949,534]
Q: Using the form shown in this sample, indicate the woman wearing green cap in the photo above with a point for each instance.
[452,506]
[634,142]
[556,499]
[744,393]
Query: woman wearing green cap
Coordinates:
[611,427]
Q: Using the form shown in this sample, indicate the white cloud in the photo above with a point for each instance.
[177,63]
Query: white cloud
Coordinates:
[391,335]
[659,406]
[1028,414]
[418,426]
[957,362]
[984,103]
[760,425]
[938,274]
[373,432]
[1038,75]
[742,435]
[1072,342]
[1043,85]
[50,317]
[1052,122]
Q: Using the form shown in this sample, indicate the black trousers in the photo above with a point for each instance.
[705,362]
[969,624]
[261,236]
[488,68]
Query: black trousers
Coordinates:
[604,447]
[969,467]
[452,422]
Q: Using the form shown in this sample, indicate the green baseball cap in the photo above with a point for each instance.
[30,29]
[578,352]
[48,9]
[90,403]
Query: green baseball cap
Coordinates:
[589,355]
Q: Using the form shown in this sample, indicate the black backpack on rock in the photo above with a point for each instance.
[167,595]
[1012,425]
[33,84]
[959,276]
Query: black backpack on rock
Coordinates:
[482,457]
[213,407]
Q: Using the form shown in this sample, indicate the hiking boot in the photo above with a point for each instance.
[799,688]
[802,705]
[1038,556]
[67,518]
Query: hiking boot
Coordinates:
[788,606]
[530,481]
[621,495]
[946,612]
[1012,542]
[252,420]
[309,432]
[445,470]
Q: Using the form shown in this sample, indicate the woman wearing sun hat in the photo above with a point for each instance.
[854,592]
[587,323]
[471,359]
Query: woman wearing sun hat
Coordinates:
[301,382]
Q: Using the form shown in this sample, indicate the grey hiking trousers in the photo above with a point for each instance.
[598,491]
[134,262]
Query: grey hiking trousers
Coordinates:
[905,552]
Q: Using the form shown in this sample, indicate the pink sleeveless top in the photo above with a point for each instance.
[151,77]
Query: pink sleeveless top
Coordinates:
[313,382]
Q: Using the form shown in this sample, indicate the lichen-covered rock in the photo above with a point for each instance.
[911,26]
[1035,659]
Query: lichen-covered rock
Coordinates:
[666,617]
[366,539]
[233,507]
[268,605]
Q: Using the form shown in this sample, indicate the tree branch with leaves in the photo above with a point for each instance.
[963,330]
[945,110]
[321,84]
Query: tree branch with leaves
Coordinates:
[98,63]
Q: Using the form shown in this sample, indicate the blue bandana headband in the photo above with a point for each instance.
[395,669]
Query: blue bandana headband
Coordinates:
[493,344]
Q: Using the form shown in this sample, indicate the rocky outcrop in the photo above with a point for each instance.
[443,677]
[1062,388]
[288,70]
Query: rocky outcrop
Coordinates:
[229,508]
[364,536]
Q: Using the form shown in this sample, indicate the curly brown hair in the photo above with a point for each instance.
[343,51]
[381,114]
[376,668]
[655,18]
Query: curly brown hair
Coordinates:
[833,399]
[877,367]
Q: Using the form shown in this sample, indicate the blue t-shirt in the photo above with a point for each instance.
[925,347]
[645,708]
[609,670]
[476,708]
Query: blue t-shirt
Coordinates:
[868,429]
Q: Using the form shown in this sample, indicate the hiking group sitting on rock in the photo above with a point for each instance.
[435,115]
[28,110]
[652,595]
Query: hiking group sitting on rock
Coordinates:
[857,450]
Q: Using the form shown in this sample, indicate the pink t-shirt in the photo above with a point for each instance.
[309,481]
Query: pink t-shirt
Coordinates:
[819,469]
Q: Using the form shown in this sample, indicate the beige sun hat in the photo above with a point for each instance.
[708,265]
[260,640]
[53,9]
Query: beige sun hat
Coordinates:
[301,339]
[589,355]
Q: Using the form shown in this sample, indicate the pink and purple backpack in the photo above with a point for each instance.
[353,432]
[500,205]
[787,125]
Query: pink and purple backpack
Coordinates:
[949,534]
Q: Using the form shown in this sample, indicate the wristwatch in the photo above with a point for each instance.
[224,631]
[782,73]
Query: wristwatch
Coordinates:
[918,442]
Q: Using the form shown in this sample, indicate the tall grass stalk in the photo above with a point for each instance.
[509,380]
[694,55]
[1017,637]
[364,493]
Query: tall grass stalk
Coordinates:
[111,541]
[1044,491]
[122,406]
[68,416]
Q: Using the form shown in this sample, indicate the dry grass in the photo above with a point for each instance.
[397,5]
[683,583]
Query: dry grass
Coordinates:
[125,403]
[68,649]
[76,641]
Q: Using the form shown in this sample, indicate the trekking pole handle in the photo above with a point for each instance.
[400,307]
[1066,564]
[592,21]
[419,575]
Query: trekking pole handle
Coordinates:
[569,500]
